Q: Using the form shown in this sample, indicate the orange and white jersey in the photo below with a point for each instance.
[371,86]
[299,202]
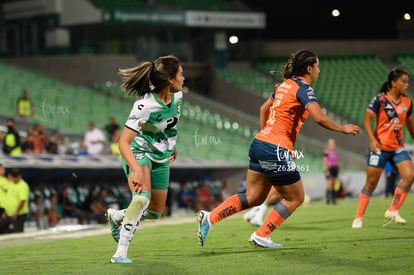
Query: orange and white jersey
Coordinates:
[390,120]
[287,113]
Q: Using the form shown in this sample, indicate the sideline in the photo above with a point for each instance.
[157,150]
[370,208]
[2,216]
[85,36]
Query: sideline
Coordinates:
[80,231]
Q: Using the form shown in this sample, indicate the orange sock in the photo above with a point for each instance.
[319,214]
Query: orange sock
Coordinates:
[227,208]
[399,197]
[272,221]
[364,198]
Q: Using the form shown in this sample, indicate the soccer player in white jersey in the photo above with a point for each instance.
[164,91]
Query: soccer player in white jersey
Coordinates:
[147,144]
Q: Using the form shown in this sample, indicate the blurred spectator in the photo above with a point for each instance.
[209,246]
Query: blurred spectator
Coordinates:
[113,148]
[37,212]
[114,144]
[92,207]
[36,140]
[186,197]
[27,145]
[24,107]
[53,210]
[169,202]
[331,168]
[16,203]
[11,140]
[224,192]
[102,204]
[391,177]
[4,183]
[39,140]
[341,191]
[94,140]
[242,186]
[111,127]
[70,209]
[64,146]
[203,198]
[53,146]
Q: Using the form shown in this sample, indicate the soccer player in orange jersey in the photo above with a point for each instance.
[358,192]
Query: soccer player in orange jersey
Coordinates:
[392,109]
[270,153]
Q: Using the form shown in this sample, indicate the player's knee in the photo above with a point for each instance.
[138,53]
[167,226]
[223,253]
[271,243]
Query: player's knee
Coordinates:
[409,177]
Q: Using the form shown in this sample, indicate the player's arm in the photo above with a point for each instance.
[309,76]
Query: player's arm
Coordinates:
[264,112]
[409,121]
[325,121]
[137,176]
[410,125]
[369,116]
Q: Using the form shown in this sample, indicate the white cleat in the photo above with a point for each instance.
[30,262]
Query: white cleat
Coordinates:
[265,242]
[256,221]
[250,214]
[357,223]
[394,216]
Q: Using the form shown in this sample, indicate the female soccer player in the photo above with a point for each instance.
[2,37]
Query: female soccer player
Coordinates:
[270,158]
[147,143]
[392,109]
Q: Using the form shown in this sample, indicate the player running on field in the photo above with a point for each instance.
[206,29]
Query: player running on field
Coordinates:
[147,144]
[270,158]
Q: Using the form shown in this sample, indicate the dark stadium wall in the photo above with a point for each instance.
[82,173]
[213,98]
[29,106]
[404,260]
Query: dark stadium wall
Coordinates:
[83,70]
[384,49]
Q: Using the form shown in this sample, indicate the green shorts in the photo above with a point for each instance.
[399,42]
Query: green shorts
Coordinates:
[159,172]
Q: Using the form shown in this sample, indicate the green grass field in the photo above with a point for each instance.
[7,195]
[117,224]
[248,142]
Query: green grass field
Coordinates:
[317,239]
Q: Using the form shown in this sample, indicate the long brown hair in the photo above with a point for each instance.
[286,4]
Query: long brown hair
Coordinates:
[149,75]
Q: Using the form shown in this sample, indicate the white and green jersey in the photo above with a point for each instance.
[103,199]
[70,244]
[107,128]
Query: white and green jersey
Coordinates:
[156,126]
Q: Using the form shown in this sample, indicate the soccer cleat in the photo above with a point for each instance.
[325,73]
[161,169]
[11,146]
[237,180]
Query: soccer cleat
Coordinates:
[256,222]
[249,214]
[115,230]
[204,226]
[357,223]
[395,217]
[120,260]
[263,242]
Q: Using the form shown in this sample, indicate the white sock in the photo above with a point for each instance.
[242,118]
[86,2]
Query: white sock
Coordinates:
[134,227]
[132,215]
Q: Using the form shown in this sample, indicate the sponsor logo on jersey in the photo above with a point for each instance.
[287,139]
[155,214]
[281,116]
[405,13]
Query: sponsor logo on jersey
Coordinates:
[388,106]
[139,156]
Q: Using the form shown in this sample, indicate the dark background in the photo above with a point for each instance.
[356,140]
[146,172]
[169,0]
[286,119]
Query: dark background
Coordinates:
[313,20]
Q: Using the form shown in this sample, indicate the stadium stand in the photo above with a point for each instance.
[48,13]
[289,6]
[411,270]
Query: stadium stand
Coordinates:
[406,59]
[69,108]
[347,83]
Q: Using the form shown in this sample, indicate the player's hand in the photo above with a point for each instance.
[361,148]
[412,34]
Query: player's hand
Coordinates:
[373,146]
[351,129]
[135,182]
[174,155]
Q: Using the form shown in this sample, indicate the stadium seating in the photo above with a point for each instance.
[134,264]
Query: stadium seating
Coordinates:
[57,105]
[203,134]
[346,84]
[407,60]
